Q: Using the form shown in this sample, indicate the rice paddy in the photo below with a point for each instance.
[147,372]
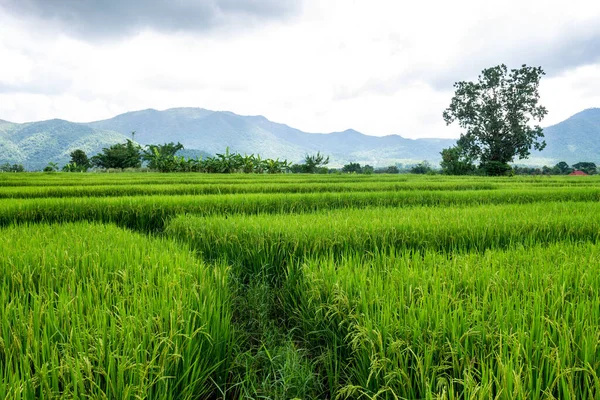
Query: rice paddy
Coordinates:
[196,286]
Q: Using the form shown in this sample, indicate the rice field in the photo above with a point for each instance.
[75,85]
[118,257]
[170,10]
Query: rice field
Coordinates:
[197,286]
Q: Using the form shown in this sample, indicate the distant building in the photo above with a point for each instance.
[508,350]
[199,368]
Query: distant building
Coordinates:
[578,173]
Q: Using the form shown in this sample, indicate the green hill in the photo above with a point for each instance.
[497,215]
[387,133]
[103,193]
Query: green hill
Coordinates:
[204,132]
[36,144]
[575,139]
[213,131]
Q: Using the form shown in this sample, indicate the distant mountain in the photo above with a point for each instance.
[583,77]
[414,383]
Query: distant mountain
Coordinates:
[203,131]
[196,128]
[575,139]
[213,131]
[35,144]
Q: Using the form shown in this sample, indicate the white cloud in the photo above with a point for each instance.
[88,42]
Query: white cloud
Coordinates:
[109,19]
[573,91]
[378,66]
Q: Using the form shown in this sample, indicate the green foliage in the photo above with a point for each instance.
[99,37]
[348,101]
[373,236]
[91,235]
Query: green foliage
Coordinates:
[355,168]
[421,168]
[313,164]
[71,167]
[425,325]
[587,167]
[517,170]
[352,168]
[119,156]
[7,167]
[368,169]
[496,168]
[276,166]
[455,161]
[79,161]
[227,163]
[162,157]
[51,167]
[392,169]
[184,184]
[146,212]
[563,168]
[496,112]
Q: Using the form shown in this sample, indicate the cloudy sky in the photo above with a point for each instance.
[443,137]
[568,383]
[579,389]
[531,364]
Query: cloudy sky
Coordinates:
[377,66]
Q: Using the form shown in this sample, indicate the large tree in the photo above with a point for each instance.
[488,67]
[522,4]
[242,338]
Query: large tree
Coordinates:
[79,161]
[496,113]
[352,167]
[587,167]
[120,155]
[562,168]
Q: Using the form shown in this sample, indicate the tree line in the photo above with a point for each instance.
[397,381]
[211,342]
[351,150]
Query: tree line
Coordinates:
[561,168]
[164,158]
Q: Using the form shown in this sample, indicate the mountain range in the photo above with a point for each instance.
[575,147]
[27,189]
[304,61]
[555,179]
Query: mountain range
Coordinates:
[201,131]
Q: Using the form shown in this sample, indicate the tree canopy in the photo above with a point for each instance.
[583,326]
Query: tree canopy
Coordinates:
[7,167]
[120,155]
[496,113]
[352,167]
[456,162]
[422,168]
[313,163]
[161,157]
[79,162]
[587,167]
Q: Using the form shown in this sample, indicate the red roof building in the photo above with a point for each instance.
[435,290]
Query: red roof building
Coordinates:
[577,173]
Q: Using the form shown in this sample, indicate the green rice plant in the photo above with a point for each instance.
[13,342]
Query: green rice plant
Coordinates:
[138,189]
[505,324]
[92,179]
[150,213]
[267,243]
[328,286]
[361,348]
[126,179]
[93,311]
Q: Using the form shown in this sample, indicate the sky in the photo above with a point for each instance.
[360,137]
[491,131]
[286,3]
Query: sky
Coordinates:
[378,66]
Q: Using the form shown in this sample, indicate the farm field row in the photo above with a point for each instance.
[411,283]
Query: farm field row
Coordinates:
[448,288]
[79,180]
[151,213]
[276,239]
[28,192]
[220,188]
